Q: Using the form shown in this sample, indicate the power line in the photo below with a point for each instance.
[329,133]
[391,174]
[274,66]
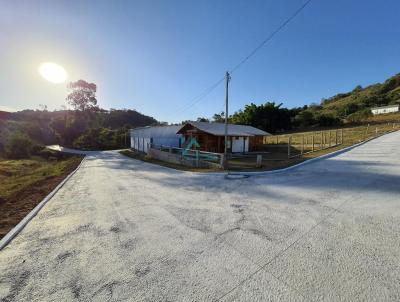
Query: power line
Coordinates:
[201,96]
[269,38]
[207,91]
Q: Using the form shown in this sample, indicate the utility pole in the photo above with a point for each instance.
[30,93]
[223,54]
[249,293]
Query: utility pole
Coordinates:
[227,79]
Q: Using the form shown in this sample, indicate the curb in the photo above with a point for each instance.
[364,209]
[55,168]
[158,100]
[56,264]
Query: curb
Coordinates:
[308,161]
[19,227]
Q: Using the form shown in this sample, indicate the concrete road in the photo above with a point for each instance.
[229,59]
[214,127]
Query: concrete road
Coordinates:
[123,230]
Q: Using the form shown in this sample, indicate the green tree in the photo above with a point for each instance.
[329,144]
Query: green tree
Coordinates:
[83,95]
[219,117]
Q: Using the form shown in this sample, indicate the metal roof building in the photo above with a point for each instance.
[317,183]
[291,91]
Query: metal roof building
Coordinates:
[142,137]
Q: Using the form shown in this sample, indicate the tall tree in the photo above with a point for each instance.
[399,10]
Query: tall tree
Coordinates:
[83,95]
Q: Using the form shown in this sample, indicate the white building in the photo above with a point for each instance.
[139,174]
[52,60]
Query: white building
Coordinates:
[142,137]
[385,109]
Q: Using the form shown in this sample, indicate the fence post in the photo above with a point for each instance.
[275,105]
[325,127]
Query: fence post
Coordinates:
[259,161]
[322,140]
[336,141]
[376,131]
[393,126]
[312,142]
[302,145]
[330,138]
[221,161]
[277,139]
[143,144]
[341,136]
[197,158]
[288,145]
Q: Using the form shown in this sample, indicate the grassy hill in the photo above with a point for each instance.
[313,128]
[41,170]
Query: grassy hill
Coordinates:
[356,104]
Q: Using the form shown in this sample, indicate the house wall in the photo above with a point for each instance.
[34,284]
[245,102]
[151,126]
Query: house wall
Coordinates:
[255,143]
[240,144]
[141,138]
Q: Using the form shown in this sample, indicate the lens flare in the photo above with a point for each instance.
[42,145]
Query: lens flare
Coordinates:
[53,72]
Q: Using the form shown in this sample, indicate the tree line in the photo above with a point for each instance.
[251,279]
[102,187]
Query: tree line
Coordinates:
[352,107]
[86,126]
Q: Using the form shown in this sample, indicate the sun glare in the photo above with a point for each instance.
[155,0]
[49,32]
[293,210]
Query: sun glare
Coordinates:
[53,72]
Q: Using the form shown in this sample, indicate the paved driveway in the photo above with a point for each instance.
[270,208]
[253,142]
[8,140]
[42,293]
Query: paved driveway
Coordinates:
[123,230]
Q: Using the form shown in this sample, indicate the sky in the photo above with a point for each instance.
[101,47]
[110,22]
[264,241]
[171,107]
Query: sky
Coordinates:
[156,56]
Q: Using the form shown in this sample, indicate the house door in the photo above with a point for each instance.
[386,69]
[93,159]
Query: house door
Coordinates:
[238,144]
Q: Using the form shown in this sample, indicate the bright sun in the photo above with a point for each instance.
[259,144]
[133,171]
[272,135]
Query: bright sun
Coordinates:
[53,72]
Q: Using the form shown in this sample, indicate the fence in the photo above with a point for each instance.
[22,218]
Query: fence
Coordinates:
[299,144]
[188,157]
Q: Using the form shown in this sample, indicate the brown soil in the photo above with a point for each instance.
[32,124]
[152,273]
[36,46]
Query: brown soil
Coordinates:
[17,206]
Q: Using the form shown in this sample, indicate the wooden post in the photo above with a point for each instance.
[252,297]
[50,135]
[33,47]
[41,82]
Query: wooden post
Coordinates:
[393,125]
[336,141]
[259,161]
[302,145]
[288,145]
[197,158]
[312,142]
[376,131]
[277,139]
[221,162]
[322,140]
[143,144]
[330,137]
[341,136]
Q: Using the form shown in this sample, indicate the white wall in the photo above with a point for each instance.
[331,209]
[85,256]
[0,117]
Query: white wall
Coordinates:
[160,135]
[240,144]
[384,110]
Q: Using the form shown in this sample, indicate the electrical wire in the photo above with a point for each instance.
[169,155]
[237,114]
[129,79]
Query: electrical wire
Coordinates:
[270,37]
[207,91]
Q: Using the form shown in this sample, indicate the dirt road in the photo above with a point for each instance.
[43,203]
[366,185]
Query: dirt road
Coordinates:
[123,230]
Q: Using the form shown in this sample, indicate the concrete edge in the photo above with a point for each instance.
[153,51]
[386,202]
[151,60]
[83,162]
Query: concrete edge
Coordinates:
[20,226]
[311,160]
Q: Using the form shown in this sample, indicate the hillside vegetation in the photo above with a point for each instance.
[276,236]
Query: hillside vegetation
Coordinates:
[356,104]
[99,129]
[352,107]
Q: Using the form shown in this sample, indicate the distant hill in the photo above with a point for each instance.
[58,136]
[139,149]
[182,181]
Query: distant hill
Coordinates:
[67,126]
[343,105]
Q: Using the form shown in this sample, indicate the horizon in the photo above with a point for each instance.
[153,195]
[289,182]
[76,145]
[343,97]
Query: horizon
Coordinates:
[143,55]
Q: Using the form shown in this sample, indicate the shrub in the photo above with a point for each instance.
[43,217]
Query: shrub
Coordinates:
[328,120]
[359,116]
[18,146]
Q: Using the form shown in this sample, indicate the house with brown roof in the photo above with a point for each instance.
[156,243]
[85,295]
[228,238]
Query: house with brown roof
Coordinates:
[211,137]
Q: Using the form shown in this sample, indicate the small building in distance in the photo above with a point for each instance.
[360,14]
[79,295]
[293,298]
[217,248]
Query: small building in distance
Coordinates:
[143,137]
[385,109]
[211,136]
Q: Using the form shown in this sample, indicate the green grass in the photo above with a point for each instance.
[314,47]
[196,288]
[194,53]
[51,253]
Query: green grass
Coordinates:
[16,175]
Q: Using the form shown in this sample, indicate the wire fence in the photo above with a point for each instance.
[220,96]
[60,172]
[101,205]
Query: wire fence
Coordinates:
[299,144]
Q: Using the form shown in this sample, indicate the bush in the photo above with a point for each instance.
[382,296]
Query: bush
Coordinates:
[359,116]
[18,146]
[328,120]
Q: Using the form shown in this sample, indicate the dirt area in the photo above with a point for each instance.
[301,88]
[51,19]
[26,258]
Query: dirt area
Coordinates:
[24,183]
